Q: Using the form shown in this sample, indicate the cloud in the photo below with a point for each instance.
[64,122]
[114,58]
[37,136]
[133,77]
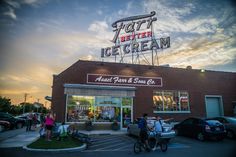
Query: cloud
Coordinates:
[196,39]
[31,90]
[11,13]
[13,4]
[34,3]
[100,28]
[50,46]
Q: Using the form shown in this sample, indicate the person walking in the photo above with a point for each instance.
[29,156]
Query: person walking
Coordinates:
[29,121]
[49,122]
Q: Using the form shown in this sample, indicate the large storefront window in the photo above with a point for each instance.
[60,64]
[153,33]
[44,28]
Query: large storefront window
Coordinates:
[170,101]
[107,109]
[97,108]
[79,108]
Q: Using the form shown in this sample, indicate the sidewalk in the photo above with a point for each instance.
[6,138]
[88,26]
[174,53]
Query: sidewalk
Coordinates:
[17,138]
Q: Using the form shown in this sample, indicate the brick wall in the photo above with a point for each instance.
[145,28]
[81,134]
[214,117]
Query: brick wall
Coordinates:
[196,83]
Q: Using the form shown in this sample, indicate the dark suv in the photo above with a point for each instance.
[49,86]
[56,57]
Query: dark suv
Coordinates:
[14,122]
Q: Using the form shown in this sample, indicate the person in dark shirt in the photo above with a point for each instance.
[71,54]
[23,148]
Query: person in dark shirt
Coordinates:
[144,131]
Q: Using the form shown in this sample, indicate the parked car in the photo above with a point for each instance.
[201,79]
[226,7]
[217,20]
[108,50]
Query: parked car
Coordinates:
[25,117]
[201,129]
[134,130]
[230,125]
[14,122]
[4,125]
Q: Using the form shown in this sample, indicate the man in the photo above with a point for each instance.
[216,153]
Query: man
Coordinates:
[159,122]
[144,131]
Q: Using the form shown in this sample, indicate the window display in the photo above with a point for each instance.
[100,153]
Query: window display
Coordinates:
[95,108]
[79,108]
[170,101]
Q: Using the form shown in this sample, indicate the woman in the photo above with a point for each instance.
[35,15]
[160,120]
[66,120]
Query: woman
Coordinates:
[49,121]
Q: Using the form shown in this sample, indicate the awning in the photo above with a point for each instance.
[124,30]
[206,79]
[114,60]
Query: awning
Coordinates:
[99,90]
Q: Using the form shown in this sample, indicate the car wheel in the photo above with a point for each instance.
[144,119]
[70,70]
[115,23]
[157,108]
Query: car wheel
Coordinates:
[19,125]
[230,134]
[200,136]
[2,128]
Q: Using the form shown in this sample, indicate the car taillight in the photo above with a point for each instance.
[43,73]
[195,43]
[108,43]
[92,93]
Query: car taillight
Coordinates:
[207,128]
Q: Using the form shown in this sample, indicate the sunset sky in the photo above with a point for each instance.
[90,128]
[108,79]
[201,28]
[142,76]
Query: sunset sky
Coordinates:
[39,38]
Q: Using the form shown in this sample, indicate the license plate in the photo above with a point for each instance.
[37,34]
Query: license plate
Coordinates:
[217,129]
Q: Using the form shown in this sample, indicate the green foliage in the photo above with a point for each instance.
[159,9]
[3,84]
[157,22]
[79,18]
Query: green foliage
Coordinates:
[5,104]
[126,101]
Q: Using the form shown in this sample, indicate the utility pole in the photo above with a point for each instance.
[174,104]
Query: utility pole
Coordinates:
[38,104]
[25,96]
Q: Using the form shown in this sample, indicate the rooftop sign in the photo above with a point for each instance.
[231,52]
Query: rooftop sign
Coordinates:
[135,34]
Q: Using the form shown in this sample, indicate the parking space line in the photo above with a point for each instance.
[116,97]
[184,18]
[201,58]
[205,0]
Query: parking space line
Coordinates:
[98,145]
[111,146]
[126,146]
[102,140]
[122,143]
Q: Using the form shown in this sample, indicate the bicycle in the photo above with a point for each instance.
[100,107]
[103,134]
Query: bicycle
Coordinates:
[139,145]
[156,140]
[83,138]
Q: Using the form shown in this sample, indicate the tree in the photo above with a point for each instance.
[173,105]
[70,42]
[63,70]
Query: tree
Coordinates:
[5,104]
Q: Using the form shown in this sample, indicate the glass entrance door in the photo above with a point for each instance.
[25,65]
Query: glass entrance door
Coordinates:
[126,117]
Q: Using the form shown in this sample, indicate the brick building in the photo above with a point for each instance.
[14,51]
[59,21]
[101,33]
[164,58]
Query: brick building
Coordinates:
[104,92]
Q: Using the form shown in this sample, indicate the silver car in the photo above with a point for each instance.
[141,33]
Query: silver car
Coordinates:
[134,130]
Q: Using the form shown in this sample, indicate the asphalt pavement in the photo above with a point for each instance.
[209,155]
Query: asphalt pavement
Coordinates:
[121,145]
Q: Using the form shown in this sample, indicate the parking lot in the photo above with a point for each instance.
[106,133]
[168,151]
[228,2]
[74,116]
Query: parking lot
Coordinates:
[121,143]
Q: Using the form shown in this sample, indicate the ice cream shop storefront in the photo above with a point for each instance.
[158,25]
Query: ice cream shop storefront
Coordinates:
[102,105]
[105,93]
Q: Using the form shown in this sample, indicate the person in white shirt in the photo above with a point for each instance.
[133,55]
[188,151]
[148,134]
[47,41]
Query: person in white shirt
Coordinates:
[62,131]
[158,125]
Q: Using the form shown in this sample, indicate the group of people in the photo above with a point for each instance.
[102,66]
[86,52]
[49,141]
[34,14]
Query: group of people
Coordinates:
[31,121]
[158,127]
[48,125]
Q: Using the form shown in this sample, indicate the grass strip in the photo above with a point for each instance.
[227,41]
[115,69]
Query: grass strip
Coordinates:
[42,143]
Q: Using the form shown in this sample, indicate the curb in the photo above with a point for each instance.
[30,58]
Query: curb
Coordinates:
[83,147]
